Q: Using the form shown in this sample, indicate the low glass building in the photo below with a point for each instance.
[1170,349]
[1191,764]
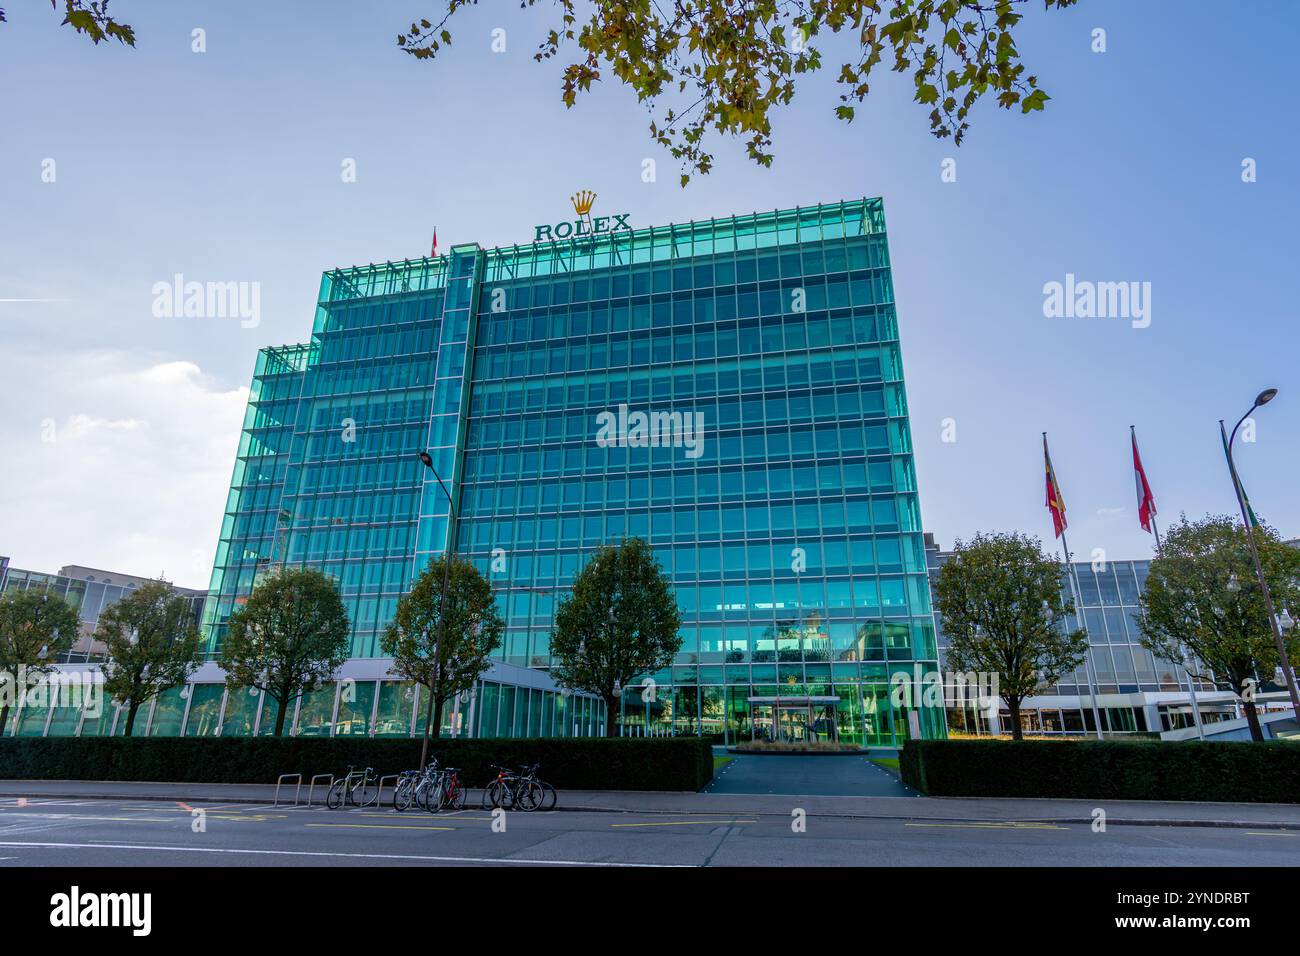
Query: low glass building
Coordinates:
[730,390]
[1135,691]
[365,700]
[507,702]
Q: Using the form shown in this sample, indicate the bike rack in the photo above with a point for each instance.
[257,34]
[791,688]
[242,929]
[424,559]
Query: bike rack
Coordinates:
[293,778]
[393,777]
[312,786]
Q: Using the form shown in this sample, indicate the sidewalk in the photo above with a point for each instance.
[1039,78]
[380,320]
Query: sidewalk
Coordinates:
[1263,816]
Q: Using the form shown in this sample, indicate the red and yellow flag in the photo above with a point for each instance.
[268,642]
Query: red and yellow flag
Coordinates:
[1055,503]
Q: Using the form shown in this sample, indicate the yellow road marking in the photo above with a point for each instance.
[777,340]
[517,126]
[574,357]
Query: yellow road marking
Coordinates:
[376,826]
[991,826]
[683,823]
[1271,833]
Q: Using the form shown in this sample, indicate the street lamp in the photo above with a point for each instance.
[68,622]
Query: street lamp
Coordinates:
[427,461]
[1263,398]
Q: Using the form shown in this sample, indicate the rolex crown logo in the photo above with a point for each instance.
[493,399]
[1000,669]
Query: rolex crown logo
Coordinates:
[583,201]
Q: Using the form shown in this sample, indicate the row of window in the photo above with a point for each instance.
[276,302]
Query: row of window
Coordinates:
[808,300]
[681,452]
[829,517]
[808,260]
[385,708]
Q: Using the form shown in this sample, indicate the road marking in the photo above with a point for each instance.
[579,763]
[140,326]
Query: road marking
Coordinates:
[684,823]
[325,853]
[991,826]
[1271,833]
[377,826]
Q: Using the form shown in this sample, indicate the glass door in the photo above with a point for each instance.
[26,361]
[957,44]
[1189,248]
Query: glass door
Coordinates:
[793,724]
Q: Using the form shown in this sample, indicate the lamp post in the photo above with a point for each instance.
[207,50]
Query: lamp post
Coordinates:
[1263,398]
[427,461]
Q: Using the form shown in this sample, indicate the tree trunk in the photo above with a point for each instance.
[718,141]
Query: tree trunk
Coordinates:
[1252,718]
[437,717]
[1016,732]
[130,718]
[611,715]
[279,716]
[4,719]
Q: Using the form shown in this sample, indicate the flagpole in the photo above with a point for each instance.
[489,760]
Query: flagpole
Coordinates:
[1055,494]
[1078,617]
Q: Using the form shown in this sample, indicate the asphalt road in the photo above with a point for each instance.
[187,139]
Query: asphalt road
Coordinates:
[154,833]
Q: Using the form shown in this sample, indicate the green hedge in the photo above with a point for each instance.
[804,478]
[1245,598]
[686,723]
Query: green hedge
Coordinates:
[1247,772]
[573,763]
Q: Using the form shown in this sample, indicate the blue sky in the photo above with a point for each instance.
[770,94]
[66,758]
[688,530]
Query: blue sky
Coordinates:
[225,165]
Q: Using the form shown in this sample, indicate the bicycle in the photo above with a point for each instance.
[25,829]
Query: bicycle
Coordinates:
[500,791]
[451,790]
[428,791]
[532,793]
[404,790]
[359,788]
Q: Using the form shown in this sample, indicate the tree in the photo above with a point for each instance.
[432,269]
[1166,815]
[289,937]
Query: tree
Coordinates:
[36,627]
[1202,598]
[92,18]
[445,655]
[722,67]
[621,620]
[289,639]
[152,643]
[999,597]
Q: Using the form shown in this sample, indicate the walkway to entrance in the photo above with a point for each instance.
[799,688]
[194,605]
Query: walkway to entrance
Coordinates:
[847,775]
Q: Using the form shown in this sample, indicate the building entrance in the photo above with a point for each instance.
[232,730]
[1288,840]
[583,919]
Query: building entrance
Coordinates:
[798,720]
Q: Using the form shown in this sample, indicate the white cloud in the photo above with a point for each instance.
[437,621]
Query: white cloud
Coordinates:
[115,460]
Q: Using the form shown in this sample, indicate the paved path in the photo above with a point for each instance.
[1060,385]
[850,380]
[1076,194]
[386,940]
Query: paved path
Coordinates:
[104,832]
[848,775]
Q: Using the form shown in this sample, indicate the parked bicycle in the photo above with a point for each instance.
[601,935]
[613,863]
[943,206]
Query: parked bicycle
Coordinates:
[533,793]
[500,791]
[404,789]
[432,789]
[519,791]
[358,788]
[452,791]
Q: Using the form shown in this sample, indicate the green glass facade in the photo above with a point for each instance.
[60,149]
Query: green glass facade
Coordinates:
[791,531]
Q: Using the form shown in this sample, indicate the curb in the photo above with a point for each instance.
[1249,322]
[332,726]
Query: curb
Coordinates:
[1111,821]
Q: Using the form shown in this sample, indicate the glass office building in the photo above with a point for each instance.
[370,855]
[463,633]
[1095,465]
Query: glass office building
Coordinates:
[92,591]
[789,524]
[1136,692]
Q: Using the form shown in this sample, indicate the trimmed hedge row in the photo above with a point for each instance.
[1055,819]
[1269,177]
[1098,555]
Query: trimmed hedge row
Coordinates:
[570,763]
[1264,772]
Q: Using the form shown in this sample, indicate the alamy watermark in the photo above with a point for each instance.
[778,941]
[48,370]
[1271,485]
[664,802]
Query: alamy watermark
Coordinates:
[208,300]
[1084,299]
[620,428]
[918,688]
[83,690]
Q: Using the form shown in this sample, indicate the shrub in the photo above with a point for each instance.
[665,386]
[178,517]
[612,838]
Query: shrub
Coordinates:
[573,763]
[1230,772]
